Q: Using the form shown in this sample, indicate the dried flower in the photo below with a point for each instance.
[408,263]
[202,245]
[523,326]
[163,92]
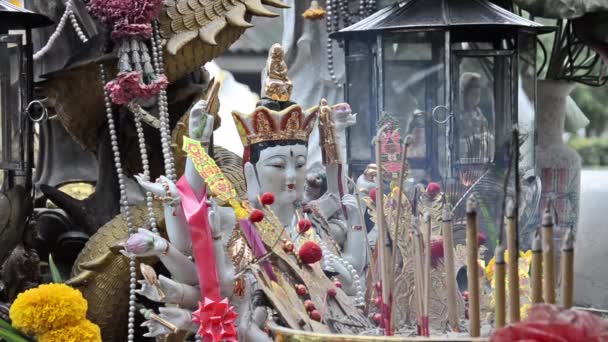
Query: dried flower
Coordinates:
[47,307]
[83,331]
[129,85]
[126,16]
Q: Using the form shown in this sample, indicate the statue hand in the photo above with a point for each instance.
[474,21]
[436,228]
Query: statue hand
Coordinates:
[160,187]
[145,243]
[352,209]
[220,219]
[181,318]
[200,122]
[170,288]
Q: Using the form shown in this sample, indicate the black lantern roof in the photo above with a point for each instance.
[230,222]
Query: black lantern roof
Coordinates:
[14,18]
[442,14]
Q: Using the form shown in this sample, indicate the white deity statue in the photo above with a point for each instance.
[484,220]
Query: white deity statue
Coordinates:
[275,139]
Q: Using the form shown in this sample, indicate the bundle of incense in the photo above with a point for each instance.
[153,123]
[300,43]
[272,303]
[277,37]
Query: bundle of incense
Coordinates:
[382,246]
[568,269]
[450,273]
[419,287]
[513,264]
[393,262]
[473,267]
[548,258]
[537,269]
[427,274]
[499,287]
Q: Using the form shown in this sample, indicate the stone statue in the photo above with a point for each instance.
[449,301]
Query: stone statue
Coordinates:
[275,138]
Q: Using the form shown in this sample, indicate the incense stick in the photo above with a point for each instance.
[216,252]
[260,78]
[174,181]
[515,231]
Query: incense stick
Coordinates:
[405,146]
[427,273]
[473,267]
[568,269]
[381,244]
[499,287]
[450,273]
[513,263]
[419,292]
[537,269]
[548,258]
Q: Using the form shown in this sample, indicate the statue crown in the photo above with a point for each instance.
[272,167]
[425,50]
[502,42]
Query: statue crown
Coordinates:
[265,124]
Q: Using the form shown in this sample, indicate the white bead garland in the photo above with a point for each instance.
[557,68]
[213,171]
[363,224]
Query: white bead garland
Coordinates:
[336,9]
[126,210]
[68,13]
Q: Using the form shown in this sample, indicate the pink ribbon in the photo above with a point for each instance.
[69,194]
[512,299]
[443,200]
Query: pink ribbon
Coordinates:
[214,316]
[202,241]
[252,236]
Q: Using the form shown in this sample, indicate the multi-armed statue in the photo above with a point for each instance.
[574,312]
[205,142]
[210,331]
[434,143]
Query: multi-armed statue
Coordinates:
[275,138]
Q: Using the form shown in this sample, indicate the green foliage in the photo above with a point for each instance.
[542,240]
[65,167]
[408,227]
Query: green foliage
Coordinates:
[593,151]
[594,103]
[54,271]
[10,334]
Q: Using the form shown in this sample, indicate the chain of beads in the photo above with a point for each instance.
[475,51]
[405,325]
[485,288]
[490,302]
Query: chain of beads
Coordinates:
[126,211]
[68,13]
[330,260]
[165,134]
[337,9]
[146,169]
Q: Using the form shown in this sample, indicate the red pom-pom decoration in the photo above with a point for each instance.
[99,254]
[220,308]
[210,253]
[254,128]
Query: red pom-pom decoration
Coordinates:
[436,249]
[256,216]
[267,198]
[433,189]
[310,253]
[304,225]
[315,315]
[378,301]
[332,292]
[378,318]
[481,239]
[309,305]
[301,289]
[372,194]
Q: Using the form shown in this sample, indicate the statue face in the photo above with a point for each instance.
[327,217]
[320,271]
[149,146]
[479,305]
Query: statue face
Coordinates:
[472,97]
[282,171]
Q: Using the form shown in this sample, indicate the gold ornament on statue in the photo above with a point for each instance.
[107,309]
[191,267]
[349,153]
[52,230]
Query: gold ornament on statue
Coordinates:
[277,86]
[314,12]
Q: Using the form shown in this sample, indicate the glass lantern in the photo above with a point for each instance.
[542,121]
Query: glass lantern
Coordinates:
[458,76]
[16,85]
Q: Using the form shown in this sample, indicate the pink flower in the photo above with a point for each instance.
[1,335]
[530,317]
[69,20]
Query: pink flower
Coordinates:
[128,86]
[142,31]
[216,320]
[121,15]
[139,244]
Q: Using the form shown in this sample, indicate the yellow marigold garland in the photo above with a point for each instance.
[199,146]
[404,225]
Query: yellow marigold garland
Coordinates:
[84,331]
[47,307]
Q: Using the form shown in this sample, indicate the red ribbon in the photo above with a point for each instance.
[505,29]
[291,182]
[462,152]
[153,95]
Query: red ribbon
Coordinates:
[216,318]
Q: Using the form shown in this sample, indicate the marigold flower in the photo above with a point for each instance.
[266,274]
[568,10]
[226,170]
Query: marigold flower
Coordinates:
[84,331]
[47,307]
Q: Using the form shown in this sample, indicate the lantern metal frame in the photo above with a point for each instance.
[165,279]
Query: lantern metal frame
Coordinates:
[14,21]
[454,20]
